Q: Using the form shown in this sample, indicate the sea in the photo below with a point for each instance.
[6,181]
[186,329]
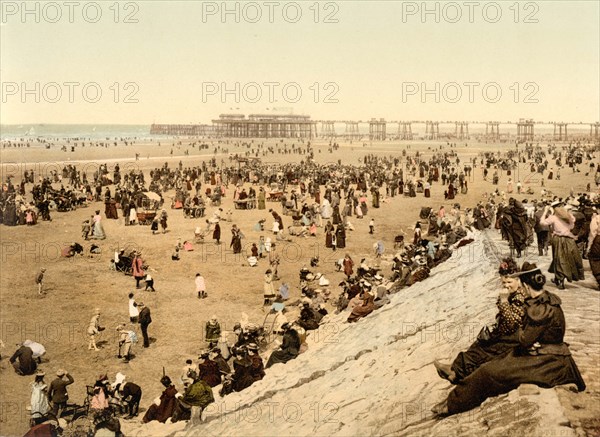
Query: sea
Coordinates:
[74,131]
[98,132]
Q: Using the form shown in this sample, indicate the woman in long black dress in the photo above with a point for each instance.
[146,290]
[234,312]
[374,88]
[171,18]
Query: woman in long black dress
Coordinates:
[340,235]
[541,356]
[329,235]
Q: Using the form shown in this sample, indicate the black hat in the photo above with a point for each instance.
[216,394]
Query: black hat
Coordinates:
[527,267]
[508,266]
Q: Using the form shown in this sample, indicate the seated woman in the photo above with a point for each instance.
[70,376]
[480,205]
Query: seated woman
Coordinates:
[162,409]
[541,356]
[502,339]
[366,308]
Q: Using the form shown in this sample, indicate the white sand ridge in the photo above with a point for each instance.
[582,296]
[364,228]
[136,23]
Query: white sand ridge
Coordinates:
[376,377]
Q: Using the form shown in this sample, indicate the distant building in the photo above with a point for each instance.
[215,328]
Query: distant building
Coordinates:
[264,126]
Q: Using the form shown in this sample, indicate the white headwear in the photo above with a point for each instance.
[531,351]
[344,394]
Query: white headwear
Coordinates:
[119,379]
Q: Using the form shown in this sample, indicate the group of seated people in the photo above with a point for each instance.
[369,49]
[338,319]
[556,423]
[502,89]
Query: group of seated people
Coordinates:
[245,200]
[193,207]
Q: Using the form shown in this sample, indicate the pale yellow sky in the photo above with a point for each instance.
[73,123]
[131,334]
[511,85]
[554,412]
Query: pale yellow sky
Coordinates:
[185,62]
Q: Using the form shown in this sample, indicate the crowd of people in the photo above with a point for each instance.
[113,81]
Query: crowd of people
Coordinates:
[321,201]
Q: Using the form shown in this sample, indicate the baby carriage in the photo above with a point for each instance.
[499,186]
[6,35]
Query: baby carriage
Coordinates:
[200,234]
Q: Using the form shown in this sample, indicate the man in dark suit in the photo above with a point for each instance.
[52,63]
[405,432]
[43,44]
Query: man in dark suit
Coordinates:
[145,320]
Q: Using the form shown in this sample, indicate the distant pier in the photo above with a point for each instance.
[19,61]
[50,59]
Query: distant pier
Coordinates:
[301,126]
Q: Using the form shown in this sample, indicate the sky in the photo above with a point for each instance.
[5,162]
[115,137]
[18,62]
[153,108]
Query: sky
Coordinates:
[143,62]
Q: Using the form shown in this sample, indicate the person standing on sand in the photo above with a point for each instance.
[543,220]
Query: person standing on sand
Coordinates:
[163,220]
[217,233]
[133,311]
[94,329]
[39,280]
[39,399]
[261,198]
[126,339]
[348,265]
[145,320]
[200,286]
[566,257]
[137,266]
[269,292]
[212,332]
[149,282]
[57,393]
[132,213]
[98,231]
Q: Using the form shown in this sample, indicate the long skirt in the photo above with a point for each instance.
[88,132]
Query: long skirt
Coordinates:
[268,291]
[111,211]
[479,353]
[566,259]
[328,239]
[99,231]
[359,213]
[505,374]
[359,312]
[594,257]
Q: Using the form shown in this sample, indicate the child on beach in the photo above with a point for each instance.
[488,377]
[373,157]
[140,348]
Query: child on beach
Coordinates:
[85,229]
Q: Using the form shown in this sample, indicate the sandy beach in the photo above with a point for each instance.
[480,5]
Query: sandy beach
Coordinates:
[75,286]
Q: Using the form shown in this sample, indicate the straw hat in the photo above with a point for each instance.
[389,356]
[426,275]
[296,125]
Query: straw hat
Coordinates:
[562,214]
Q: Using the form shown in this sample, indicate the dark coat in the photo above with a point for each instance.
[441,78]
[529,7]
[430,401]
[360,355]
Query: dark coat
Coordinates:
[242,374]
[212,331]
[164,411]
[257,368]
[340,234]
[27,365]
[209,372]
[594,257]
[222,363]
[517,230]
[144,317]
[547,366]
[290,348]
[131,390]
[57,392]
